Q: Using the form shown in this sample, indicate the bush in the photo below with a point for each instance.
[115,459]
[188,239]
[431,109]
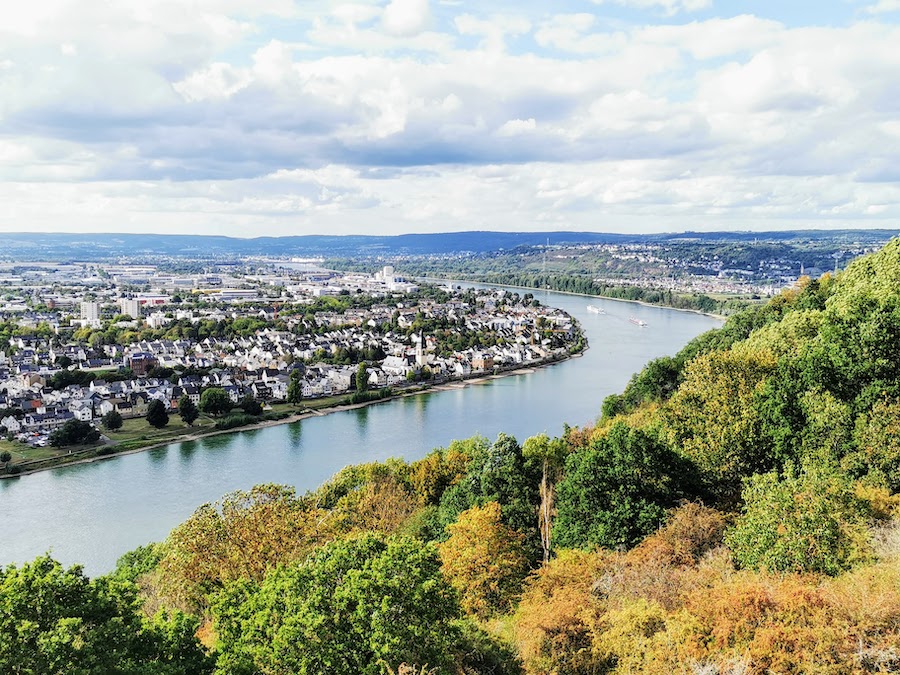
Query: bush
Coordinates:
[236,420]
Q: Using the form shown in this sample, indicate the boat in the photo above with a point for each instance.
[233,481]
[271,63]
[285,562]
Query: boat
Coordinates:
[637,322]
[595,310]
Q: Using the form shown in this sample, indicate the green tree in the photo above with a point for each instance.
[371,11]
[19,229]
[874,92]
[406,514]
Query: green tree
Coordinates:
[295,388]
[801,521]
[250,405]
[6,458]
[617,491]
[74,432]
[112,420]
[362,378]
[353,606]
[551,455]
[714,419]
[157,415]
[877,453]
[56,621]
[500,473]
[215,401]
[187,410]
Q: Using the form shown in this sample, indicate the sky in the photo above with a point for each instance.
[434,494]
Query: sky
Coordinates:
[279,117]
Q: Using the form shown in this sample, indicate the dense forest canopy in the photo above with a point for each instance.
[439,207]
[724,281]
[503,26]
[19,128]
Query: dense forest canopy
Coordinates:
[734,509]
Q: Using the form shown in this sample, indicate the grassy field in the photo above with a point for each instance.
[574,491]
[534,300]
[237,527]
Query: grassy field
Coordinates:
[139,430]
[24,453]
[137,433]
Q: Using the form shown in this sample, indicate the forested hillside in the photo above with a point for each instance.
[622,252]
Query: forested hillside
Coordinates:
[734,510]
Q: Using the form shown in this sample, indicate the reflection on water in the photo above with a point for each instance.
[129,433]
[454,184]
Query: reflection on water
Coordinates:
[93,513]
[295,435]
[361,415]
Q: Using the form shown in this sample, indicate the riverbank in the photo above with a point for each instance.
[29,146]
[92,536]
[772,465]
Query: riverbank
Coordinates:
[92,454]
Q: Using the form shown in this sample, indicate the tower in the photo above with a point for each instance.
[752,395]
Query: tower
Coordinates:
[420,350]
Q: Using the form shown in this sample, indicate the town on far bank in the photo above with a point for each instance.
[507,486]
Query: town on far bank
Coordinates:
[99,358]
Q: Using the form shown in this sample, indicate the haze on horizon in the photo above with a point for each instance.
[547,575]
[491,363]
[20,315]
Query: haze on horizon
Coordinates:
[287,117]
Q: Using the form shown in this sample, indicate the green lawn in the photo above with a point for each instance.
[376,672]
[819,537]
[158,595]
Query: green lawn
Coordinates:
[139,430]
[24,453]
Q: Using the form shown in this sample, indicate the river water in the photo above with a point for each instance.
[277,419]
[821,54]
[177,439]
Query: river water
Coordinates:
[92,513]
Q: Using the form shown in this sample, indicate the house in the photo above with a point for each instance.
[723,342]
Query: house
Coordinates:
[83,411]
[482,361]
[11,424]
[234,392]
[261,391]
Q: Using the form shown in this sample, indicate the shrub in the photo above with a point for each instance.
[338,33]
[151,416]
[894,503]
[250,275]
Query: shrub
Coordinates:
[236,420]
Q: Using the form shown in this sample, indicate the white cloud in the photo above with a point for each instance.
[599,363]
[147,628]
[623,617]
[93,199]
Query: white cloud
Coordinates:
[669,7]
[494,30]
[406,18]
[216,114]
[517,127]
[884,6]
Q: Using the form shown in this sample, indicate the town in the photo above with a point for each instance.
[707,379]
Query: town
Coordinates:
[86,340]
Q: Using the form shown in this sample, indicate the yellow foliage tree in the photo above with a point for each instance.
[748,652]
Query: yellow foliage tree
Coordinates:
[242,536]
[551,624]
[484,560]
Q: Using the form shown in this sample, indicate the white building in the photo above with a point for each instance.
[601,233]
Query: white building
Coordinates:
[90,311]
[130,307]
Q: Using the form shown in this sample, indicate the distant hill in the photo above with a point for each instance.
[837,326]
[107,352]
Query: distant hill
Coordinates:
[58,246]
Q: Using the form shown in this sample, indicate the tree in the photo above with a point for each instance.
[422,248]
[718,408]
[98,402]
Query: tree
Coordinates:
[484,560]
[878,445]
[215,401]
[713,418]
[552,455]
[250,405]
[242,536]
[74,432]
[352,607]
[6,458]
[498,473]
[56,621]
[112,420]
[187,410]
[801,521]
[157,415]
[362,378]
[295,388]
[617,491]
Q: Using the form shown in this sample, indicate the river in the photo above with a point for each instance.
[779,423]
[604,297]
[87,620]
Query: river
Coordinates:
[92,513]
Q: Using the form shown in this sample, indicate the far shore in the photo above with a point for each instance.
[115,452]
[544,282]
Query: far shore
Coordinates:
[582,295]
[449,385]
